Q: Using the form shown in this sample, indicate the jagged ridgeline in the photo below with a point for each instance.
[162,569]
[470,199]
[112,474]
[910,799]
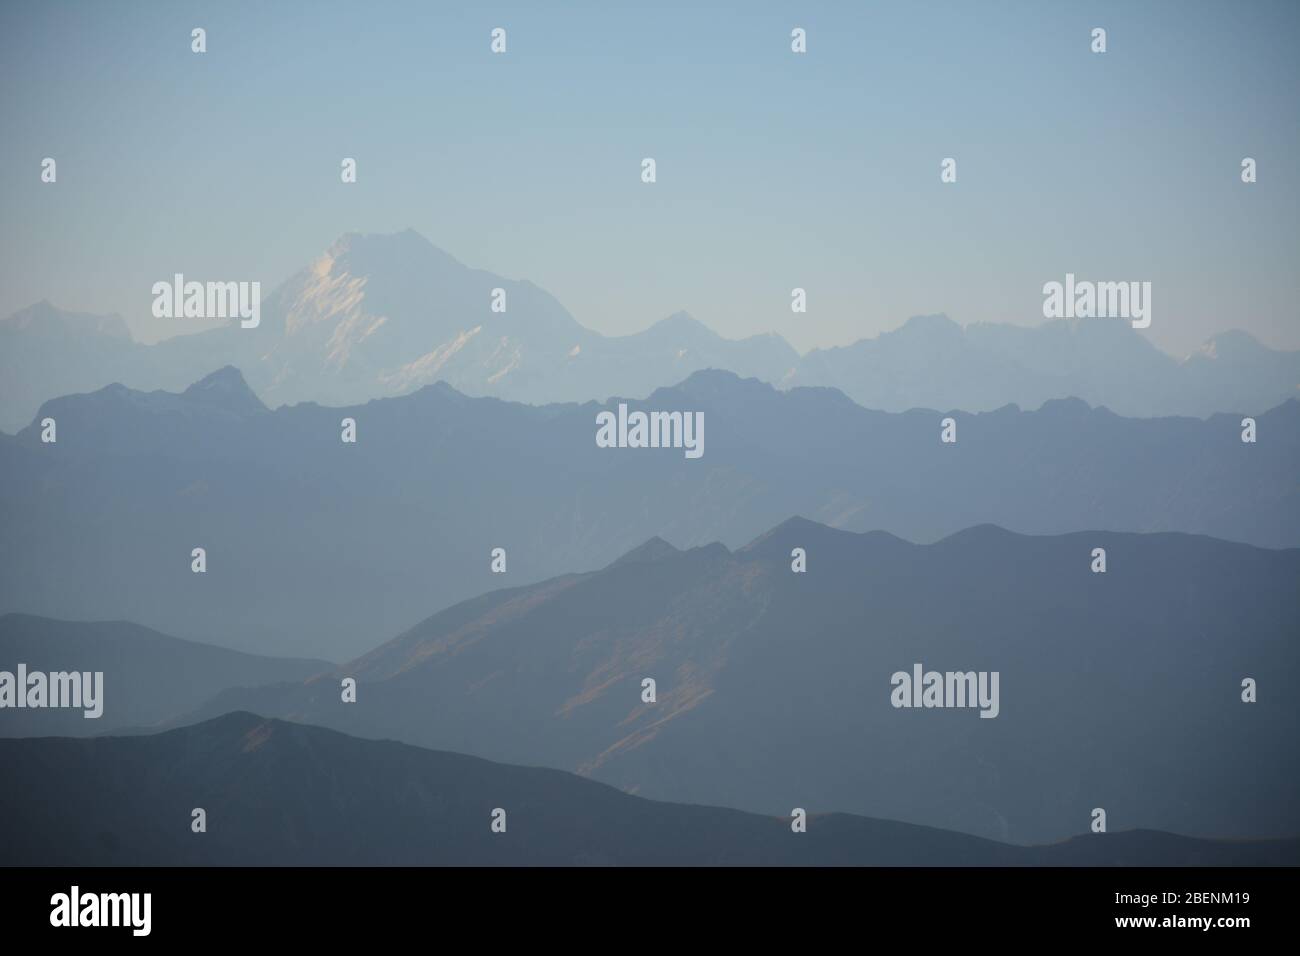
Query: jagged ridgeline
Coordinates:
[769,677]
[319,547]
[382,315]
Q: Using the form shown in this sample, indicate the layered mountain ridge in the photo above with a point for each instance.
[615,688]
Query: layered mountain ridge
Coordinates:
[383,315]
[319,547]
[774,685]
[148,678]
[277,794]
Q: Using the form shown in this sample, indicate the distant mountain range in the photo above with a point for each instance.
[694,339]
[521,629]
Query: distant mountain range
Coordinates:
[382,315]
[319,548]
[1119,690]
[148,677]
[276,793]
[376,316]
[932,362]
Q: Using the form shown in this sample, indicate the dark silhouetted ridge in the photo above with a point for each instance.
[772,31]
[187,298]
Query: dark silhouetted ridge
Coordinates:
[380,803]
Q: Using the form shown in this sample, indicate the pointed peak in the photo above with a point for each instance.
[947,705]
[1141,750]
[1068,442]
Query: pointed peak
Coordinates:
[1065,406]
[939,323]
[382,253]
[352,238]
[794,526]
[656,549]
[790,533]
[979,535]
[677,324]
[354,242]
[225,387]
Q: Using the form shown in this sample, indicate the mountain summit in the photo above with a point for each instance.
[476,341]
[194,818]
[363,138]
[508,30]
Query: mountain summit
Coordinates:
[226,388]
[380,315]
[656,549]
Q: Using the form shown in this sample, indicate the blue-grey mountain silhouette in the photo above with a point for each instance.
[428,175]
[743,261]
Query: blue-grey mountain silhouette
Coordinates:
[319,548]
[285,794]
[382,315]
[148,677]
[377,316]
[932,362]
[1120,690]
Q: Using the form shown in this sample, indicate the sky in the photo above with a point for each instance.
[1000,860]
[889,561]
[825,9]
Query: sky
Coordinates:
[775,170]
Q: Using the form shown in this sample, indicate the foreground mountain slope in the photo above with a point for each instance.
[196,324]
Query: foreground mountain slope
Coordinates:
[283,794]
[148,677]
[319,548]
[1120,690]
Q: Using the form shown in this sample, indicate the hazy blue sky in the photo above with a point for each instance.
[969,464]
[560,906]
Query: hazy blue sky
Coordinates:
[775,170]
